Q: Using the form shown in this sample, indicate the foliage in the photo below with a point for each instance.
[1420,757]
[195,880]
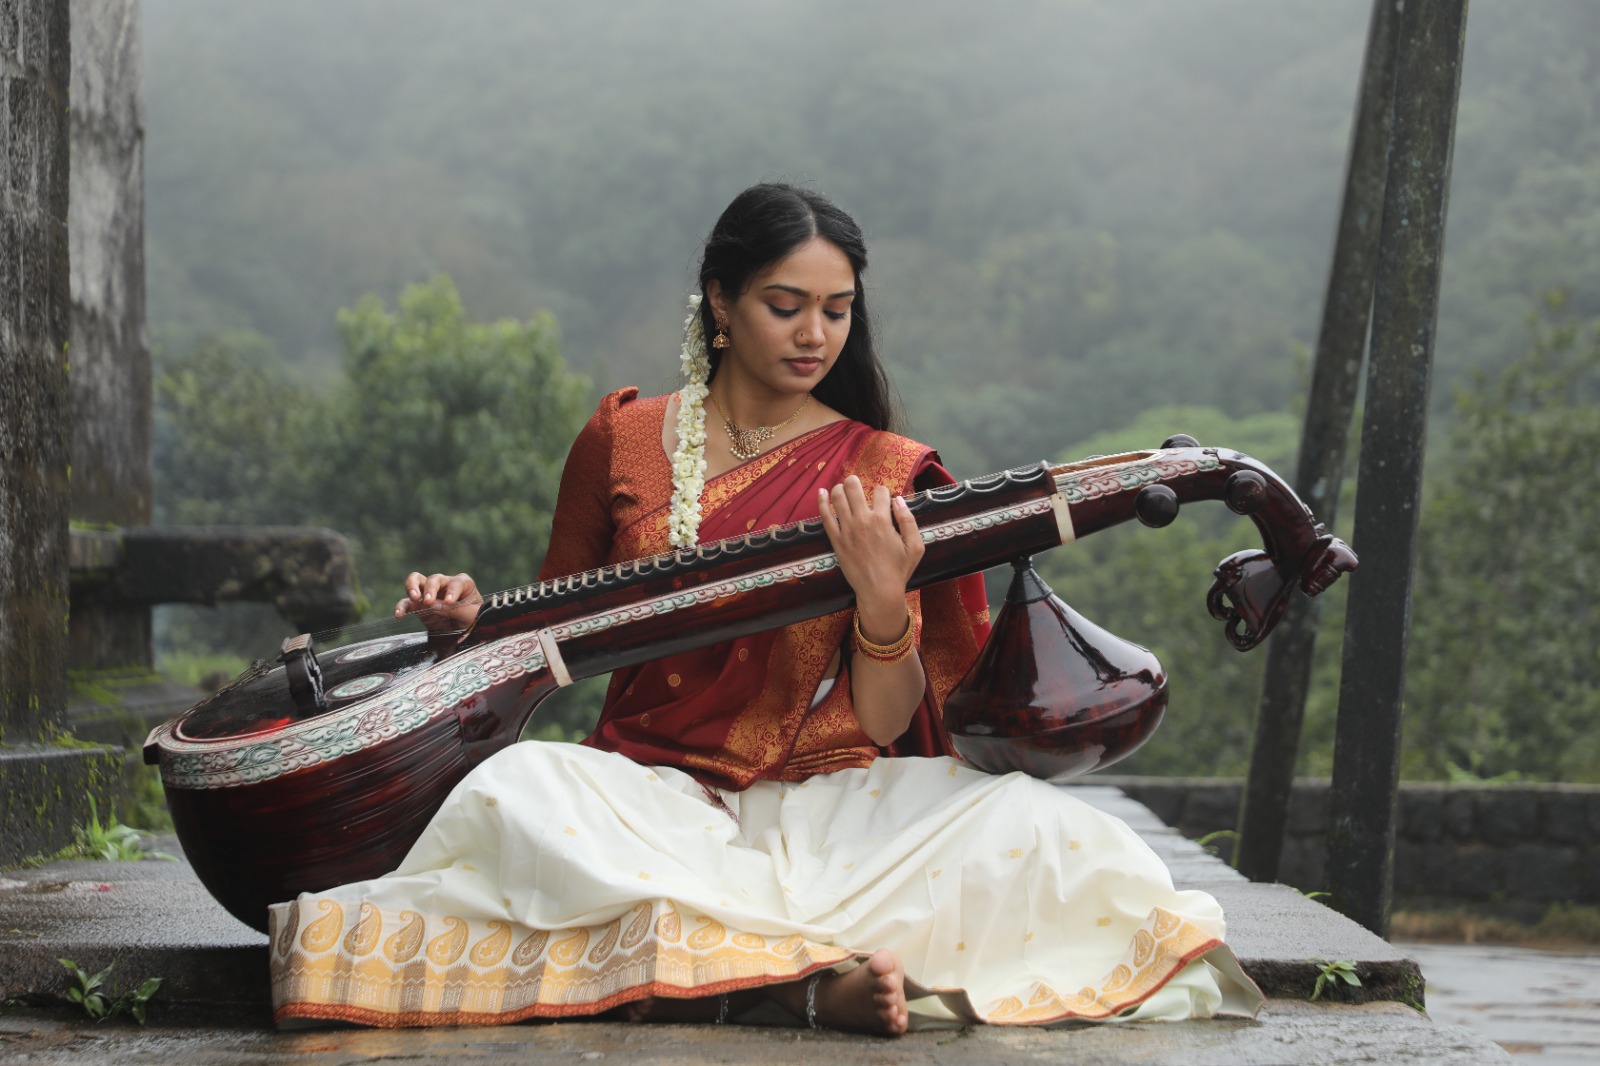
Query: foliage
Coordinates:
[458,431]
[1560,927]
[1330,973]
[1504,681]
[231,425]
[440,448]
[1149,586]
[100,1005]
[147,807]
[113,840]
[206,670]
[1210,841]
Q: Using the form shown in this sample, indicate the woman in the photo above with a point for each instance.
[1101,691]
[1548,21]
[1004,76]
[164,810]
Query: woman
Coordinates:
[731,839]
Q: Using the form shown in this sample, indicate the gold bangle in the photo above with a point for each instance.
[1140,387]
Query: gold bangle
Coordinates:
[887,653]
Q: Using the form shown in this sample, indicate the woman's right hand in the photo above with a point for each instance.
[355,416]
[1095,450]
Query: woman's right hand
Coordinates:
[443,603]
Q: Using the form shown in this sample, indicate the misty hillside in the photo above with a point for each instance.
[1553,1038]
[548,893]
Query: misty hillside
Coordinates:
[1092,225]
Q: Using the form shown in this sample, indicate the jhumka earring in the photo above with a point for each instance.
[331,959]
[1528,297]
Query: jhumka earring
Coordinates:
[721,339]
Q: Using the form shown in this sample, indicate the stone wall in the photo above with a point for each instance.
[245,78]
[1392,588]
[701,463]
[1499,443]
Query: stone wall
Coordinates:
[35,416]
[1520,847]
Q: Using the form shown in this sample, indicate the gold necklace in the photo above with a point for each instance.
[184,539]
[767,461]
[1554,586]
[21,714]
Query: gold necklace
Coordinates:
[745,444]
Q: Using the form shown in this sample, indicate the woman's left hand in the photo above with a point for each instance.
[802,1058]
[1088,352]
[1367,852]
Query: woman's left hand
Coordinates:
[878,547]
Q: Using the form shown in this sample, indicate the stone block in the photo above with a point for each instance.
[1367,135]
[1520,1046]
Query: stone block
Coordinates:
[1421,814]
[1164,801]
[1588,874]
[1303,863]
[8,28]
[10,280]
[1541,872]
[1408,867]
[1308,810]
[33,240]
[1563,817]
[44,794]
[34,37]
[1460,815]
[1506,816]
[24,140]
[1470,871]
[1210,809]
[308,574]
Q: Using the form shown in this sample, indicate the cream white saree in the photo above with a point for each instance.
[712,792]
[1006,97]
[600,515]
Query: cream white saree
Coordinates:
[559,880]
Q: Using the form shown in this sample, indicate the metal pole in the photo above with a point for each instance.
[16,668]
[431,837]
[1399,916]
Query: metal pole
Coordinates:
[1341,347]
[1366,763]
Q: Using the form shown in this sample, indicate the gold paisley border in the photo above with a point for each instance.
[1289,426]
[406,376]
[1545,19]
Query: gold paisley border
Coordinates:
[552,973]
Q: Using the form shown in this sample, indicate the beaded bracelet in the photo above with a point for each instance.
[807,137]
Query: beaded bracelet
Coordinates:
[887,654]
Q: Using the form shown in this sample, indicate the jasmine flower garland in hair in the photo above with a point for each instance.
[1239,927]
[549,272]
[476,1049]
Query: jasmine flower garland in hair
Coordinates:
[689,459]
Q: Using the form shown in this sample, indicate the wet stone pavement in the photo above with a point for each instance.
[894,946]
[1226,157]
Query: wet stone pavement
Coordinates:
[1543,1007]
[1287,1032]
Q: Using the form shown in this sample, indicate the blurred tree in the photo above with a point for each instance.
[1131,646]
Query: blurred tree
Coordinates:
[1503,673]
[440,449]
[1149,586]
[445,446]
[230,424]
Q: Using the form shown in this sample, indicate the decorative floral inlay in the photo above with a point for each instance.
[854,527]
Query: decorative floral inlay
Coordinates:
[421,698]
[361,686]
[1108,481]
[429,694]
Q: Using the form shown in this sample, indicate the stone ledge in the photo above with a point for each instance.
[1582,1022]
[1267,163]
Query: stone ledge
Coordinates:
[306,572]
[155,919]
[44,795]
[1515,848]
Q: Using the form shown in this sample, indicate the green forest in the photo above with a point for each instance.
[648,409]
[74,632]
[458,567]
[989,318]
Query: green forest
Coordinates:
[397,250]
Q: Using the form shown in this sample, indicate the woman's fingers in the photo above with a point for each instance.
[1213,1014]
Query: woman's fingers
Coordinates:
[450,594]
[874,537]
[906,523]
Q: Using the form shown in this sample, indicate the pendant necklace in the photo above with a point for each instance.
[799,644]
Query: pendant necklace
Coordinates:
[746,444]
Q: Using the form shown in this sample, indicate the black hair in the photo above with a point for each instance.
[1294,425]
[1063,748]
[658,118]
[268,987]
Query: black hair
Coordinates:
[762,225]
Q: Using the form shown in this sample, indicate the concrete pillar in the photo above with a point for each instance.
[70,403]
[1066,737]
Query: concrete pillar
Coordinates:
[44,787]
[35,412]
[111,391]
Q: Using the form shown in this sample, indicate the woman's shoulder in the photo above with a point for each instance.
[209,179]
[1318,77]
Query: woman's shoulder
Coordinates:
[623,415]
[885,458]
[625,406]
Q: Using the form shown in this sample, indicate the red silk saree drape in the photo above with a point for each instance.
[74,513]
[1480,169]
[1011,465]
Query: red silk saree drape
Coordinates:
[740,711]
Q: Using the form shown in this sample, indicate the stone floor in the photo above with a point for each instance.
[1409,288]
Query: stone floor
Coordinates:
[154,919]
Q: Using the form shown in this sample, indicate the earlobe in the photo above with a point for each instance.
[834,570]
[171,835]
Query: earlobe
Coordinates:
[719,302]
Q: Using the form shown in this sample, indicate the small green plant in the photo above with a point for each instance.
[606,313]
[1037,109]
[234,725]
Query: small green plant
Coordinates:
[1217,835]
[113,840]
[1330,973]
[1411,995]
[101,1004]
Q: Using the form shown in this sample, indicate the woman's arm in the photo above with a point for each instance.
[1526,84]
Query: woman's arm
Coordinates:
[878,548]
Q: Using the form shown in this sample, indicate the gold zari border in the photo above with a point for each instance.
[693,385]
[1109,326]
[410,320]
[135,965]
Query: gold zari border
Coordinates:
[387,969]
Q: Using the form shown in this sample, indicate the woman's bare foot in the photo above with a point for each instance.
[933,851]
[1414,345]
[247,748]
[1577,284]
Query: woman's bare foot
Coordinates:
[670,1009]
[868,999]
